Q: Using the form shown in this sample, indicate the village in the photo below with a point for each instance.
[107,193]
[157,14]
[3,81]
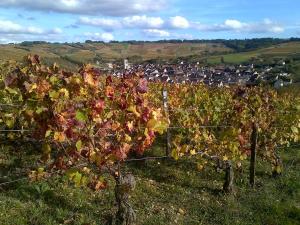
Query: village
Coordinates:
[218,75]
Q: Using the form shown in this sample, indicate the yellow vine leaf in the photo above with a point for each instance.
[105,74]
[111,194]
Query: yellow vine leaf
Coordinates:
[174,154]
[59,136]
[193,152]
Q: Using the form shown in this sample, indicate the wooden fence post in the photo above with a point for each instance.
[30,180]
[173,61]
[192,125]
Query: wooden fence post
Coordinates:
[168,137]
[253,154]
[277,165]
[229,177]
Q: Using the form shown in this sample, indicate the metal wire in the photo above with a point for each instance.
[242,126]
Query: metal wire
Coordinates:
[27,178]
[147,158]
[13,181]
[291,146]
[181,109]
[10,105]
[140,159]
[170,127]
[15,130]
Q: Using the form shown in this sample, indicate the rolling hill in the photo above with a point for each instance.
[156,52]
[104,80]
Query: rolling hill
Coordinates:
[70,55]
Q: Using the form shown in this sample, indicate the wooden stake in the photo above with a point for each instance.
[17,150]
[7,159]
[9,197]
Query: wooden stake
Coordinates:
[168,135]
[229,178]
[253,154]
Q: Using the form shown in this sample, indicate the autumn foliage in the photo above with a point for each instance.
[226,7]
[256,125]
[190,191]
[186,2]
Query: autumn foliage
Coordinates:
[82,116]
[101,120]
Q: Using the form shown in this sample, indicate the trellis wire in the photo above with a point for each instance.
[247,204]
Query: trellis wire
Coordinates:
[27,178]
[137,159]
[170,127]
[13,181]
[184,109]
[21,130]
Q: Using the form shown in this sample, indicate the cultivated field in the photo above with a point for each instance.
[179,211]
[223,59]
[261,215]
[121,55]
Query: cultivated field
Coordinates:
[278,51]
[69,55]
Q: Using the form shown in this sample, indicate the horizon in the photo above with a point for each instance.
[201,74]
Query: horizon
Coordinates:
[75,21]
[153,41]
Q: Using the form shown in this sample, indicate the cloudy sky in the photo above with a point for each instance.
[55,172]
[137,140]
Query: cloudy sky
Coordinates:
[79,20]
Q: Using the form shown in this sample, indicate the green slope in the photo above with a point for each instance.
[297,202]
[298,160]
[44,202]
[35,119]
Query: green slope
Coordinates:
[73,54]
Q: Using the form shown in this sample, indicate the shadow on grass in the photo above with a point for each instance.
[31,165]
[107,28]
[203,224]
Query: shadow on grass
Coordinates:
[182,173]
[52,202]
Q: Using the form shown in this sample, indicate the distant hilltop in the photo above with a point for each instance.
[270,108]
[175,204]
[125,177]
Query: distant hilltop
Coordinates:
[237,44]
[263,51]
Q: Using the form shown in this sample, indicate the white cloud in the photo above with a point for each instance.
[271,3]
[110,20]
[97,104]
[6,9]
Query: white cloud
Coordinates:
[17,38]
[179,22]
[137,21]
[158,27]
[4,41]
[56,31]
[153,33]
[234,24]
[106,24]
[266,26]
[184,36]
[276,29]
[9,27]
[106,37]
[14,32]
[143,22]
[91,7]
[156,33]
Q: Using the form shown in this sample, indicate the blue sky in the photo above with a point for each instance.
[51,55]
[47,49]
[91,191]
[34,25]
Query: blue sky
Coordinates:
[79,20]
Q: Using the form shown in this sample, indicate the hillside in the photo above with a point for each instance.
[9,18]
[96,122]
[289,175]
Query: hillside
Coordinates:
[69,55]
[285,50]
[288,52]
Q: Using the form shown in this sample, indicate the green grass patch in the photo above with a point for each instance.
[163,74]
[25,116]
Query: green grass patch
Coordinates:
[167,192]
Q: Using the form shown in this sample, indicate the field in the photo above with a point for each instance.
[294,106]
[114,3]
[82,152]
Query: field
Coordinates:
[70,55]
[284,51]
[90,52]
[279,51]
[167,192]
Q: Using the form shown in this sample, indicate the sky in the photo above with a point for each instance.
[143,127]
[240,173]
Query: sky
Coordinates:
[107,20]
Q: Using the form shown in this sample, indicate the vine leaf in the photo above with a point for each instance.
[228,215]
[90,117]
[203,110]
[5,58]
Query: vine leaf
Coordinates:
[81,116]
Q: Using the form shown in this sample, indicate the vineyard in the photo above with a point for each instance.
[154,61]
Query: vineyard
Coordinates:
[95,130]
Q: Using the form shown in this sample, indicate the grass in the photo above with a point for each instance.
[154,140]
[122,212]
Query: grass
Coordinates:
[167,192]
[90,52]
[282,51]
[234,58]
[70,55]
[277,51]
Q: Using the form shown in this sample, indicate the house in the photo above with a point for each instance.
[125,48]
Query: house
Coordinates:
[110,65]
[280,83]
[127,65]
